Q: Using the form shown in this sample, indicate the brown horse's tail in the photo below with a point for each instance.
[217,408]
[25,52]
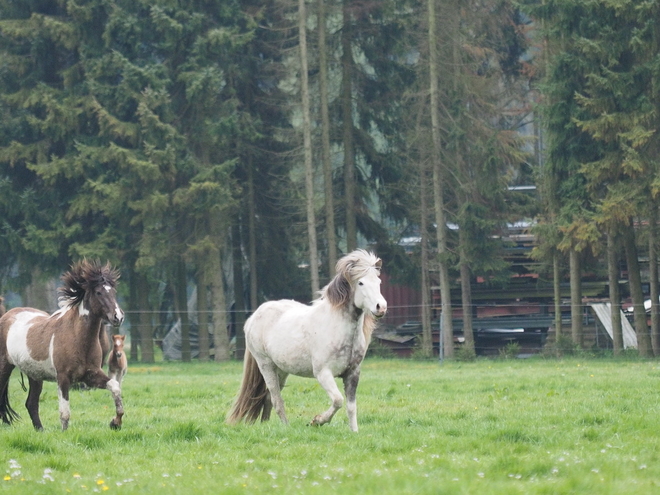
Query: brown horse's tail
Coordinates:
[7,414]
[253,398]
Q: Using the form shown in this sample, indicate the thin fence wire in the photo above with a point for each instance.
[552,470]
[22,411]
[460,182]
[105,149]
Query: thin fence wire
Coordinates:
[393,339]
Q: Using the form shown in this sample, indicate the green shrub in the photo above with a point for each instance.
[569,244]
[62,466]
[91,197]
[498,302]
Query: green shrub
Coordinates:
[465,354]
[510,351]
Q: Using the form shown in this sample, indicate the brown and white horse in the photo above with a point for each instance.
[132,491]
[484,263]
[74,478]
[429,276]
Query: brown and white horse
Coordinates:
[117,363]
[63,347]
[325,340]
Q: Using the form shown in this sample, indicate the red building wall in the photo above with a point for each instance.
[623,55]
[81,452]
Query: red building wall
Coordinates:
[403,303]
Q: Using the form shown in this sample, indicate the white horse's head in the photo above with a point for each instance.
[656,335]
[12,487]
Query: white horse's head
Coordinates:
[367,295]
[358,276]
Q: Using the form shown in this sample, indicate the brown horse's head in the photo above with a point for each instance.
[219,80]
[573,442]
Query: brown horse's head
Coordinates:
[92,287]
[118,345]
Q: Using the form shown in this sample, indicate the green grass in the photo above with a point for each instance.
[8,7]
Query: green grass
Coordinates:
[487,427]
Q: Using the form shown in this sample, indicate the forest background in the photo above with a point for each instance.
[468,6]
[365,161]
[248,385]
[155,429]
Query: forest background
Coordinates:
[241,146]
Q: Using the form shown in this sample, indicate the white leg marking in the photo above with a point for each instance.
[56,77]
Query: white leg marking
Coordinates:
[65,410]
[114,387]
[115,390]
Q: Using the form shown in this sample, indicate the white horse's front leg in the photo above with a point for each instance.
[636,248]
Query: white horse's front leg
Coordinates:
[328,383]
[350,388]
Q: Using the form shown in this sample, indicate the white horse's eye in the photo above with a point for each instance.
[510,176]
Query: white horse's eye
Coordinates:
[360,283]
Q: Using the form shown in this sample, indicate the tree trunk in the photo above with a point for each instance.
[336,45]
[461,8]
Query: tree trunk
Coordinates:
[653,278]
[556,285]
[252,237]
[146,326]
[466,292]
[134,306]
[636,293]
[347,121]
[181,303]
[239,299]
[203,309]
[576,298]
[40,293]
[330,235]
[427,335]
[218,299]
[615,297]
[438,193]
[307,149]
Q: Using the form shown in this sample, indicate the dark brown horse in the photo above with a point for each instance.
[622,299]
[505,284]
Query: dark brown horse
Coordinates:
[64,347]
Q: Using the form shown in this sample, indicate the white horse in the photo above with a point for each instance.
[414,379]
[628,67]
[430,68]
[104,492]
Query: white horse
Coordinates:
[324,340]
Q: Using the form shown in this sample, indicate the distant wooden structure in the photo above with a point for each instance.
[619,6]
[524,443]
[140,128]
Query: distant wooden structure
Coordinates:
[604,314]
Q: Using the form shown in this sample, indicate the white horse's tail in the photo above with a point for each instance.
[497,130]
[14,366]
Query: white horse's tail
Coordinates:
[253,398]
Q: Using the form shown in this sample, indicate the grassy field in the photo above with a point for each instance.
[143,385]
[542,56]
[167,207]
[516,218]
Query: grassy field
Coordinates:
[504,426]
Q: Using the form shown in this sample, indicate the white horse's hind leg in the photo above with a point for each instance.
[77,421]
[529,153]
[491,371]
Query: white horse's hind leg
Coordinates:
[328,383]
[272,380]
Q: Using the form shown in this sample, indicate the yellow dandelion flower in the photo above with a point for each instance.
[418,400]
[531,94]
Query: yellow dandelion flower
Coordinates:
[100,482]
[7,477]
[105,488]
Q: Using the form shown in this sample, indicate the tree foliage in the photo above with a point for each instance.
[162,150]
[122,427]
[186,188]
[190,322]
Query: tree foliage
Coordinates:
[165,137]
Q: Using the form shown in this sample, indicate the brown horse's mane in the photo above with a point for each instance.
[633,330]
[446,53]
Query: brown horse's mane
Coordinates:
[348,270]
[84,276]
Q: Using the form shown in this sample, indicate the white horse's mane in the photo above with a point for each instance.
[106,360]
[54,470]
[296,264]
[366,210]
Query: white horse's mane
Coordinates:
[348,269]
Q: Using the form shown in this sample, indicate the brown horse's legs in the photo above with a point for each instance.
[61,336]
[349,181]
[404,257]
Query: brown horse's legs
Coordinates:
[32,402]
[98,379]
[115,390]
[63,385]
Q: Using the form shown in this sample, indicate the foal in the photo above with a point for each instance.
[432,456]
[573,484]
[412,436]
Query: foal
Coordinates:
[117,363]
